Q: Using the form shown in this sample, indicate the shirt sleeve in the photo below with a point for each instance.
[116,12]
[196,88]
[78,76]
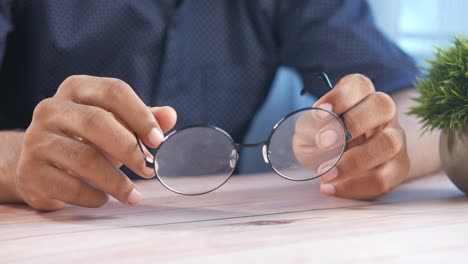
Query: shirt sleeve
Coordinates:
[339,37]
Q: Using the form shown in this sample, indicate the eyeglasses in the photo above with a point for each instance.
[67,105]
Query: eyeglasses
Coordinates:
[302,146]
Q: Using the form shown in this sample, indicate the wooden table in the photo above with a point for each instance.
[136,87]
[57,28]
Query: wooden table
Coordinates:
[254,219]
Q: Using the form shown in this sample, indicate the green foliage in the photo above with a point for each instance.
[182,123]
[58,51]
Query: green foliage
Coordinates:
[443,99]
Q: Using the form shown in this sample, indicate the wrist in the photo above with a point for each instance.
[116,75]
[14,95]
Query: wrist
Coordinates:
[10,151]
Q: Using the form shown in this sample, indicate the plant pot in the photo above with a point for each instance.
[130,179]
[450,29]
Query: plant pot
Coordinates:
[454,156]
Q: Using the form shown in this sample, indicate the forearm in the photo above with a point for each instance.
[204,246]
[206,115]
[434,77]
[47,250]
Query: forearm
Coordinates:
[423,150]
[10,149]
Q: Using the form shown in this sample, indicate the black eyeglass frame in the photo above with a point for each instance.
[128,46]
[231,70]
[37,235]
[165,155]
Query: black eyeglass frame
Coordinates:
[265,144]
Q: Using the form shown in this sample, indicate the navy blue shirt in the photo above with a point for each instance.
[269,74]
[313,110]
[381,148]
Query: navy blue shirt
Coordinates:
[212,60]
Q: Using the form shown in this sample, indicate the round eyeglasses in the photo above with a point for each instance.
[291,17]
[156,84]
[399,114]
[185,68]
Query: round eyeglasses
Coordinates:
[199,159]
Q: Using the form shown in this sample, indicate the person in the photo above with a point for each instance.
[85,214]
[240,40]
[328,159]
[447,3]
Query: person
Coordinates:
[78,77]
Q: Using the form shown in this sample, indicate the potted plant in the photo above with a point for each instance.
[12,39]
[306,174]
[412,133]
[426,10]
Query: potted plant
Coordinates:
[443,105]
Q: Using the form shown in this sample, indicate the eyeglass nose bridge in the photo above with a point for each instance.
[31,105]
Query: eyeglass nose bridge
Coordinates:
[263,144]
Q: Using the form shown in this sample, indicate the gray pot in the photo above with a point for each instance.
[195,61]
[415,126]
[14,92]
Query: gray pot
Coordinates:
[454,157]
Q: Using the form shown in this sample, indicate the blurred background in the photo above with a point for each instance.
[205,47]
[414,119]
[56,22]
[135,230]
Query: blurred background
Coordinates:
[417,26]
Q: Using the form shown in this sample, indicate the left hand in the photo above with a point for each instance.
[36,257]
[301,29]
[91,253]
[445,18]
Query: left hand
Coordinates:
[375,160]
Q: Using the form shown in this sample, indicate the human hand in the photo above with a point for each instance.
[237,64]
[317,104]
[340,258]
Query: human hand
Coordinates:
[79,138]
[375,160]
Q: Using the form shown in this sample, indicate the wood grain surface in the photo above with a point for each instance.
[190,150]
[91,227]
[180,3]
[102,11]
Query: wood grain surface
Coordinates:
[253,219]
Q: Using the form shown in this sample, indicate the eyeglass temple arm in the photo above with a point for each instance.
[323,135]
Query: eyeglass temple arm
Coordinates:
[308,89]
[148,163]
[324,76]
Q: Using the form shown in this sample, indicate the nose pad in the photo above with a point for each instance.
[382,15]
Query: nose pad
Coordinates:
[233,158]
[149,162]
[265,153]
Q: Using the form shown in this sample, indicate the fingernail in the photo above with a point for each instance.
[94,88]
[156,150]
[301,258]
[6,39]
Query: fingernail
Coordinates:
[134,197]
[323,114]
[327,189]
[155,136]
[148,171]
[331,174]
[327,139]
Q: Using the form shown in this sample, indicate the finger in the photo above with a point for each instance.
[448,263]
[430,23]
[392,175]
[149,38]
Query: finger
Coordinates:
[65,188]
[116,97]
[147,154]
[312,157]
[375,110]
[331,135]
[307,144]
[379,149]
[347,93]
[45,204]
[371,184]
[40,201]
[97,126]
[88,164]
[166,117]
[318,132]
[114,161]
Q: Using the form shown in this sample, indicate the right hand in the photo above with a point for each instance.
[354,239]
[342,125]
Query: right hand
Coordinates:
[79,138]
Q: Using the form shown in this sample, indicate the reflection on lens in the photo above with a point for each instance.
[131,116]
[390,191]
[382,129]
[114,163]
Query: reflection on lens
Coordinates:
[307,144]
[196,160]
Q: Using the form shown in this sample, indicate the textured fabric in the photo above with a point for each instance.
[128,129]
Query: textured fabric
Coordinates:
[212,60]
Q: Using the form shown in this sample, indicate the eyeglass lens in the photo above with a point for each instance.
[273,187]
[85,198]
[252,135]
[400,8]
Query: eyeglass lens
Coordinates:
[303,146]
[306,144]
[196,160]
